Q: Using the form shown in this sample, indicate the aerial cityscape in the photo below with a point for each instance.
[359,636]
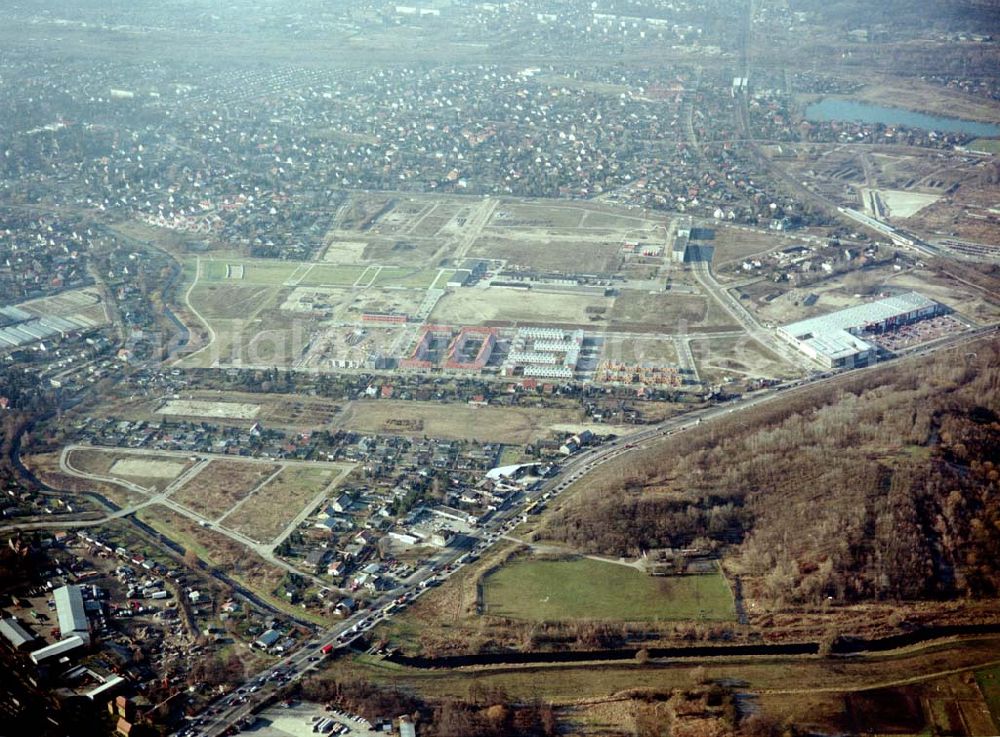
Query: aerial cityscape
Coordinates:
[625,368]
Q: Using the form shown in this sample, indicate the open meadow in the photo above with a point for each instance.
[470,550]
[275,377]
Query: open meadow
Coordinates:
[222,484]
[587,589]
[513,425]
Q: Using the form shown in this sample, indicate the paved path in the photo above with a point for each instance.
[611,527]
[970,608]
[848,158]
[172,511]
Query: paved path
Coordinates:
[194,311]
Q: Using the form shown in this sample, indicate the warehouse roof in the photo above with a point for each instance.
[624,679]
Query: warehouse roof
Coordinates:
[837,344]
[14,633]
[57,649]
[859,316]
[72,615]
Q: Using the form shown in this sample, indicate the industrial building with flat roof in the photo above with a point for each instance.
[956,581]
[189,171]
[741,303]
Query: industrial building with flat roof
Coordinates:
[57,649]
[835,339]
[71,613]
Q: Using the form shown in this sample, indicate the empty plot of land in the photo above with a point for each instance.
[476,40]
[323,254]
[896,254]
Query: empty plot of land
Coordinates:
[399,276]
[147,468]
[661,311]
[409,251]
[345,252]
[719,359]
[526,215]
[310,299]
[230,301]
[989,683]
[640,351]
[780,304]
[152,472]
[222,484]
[260,271]
[903,204]
[247,343]
[569,251]
[339,275]
[499,305]
[731,244]
[950,292]
[515,425]
[272,507]
[275,410]
[199,408]
[581,589]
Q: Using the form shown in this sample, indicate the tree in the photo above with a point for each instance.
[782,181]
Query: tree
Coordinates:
[191,559]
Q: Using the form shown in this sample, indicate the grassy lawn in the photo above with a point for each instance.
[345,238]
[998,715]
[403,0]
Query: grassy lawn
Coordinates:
[989,683]
[333,275]
[986,145]
[587,589]
[442,280]
[254,271]
[515,425]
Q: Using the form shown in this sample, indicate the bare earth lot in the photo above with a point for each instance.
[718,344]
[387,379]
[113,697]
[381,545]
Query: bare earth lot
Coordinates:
[273,506]
[222,484]
[231,301]
[515,425]
[152,472]
[147,468]
[569,251]
[665,312]
[640,350]
[500,305]
[723,358]
[198,408]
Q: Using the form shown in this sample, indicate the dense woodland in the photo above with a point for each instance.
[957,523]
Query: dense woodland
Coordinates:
[884,486]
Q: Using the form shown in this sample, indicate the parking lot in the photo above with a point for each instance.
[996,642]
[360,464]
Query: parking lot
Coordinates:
[300,720]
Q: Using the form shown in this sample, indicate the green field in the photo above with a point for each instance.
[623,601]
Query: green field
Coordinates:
[989,683]
[332,275]
[443,278]
[583,588]
[986,145]
[254,271]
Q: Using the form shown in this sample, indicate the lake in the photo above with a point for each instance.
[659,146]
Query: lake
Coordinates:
[833,109]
